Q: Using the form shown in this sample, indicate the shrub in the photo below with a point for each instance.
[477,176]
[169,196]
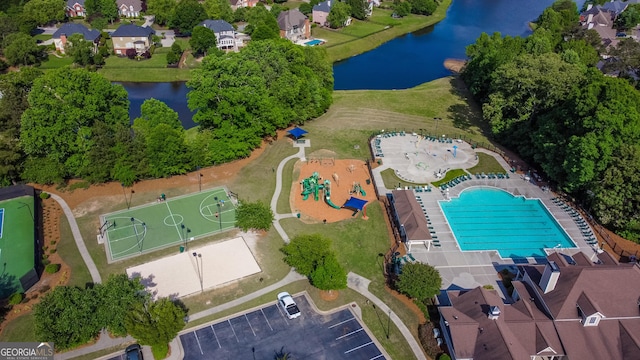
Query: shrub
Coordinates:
[428,342]
[44,195]
[131,53]
[52,251]
[45,261]
[52,268]
[16,298]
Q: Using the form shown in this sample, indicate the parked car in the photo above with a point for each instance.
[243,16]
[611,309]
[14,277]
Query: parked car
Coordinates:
[133,352]
[288,305]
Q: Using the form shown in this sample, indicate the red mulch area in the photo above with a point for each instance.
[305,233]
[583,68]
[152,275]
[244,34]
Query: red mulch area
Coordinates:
[348,172]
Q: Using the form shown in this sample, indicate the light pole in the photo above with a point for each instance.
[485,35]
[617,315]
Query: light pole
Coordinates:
[200,269]
[436,130]
[125,196]
[219,212]
[199,178]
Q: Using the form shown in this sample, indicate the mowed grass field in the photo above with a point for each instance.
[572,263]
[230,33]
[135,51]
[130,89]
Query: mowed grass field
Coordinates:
[352,118]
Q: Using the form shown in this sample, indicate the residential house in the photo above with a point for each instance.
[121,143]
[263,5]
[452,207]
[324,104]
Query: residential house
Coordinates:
[294,25]
[225,33]
[61,36]
[130,36]
[321,12]
[570,308]
[600,20]
[236,4]
[129,8]
[615,8]
[75,8]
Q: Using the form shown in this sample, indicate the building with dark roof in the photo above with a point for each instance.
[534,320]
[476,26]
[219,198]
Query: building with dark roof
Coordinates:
[75,8]
[130,36]
[65,31]
[569,308]
[321,11]
[294,25]
[225,33]
[409,219]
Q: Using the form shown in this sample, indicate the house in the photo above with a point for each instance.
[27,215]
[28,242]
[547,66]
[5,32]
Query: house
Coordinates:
[294,25]
[600,20]
[129,8]
[75,8]
[225,33]
[66,30]
[321,12]
[615,8]
[569,308]
[409,219]
[236,4]
[131,36]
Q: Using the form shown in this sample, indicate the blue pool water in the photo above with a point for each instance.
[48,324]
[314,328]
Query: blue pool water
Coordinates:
[493,219]
[313,42]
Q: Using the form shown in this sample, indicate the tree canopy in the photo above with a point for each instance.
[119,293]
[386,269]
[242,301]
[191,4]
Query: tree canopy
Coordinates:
[162,10]
[254,215]
[219,9]
[419,281]
[156,323]
[241,97]
[202,39]
[338,15]
[186,15]
[312,256]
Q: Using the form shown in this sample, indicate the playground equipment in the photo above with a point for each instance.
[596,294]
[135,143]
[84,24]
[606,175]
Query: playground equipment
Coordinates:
[357,188]
[313,185]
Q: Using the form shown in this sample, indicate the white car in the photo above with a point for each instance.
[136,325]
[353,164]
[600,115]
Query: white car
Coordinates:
[288,305]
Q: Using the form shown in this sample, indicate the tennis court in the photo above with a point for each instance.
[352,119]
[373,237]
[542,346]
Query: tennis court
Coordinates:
[174,221]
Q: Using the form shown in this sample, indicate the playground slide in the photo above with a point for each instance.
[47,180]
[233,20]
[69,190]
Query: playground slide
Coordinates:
[331,204]
[362,192]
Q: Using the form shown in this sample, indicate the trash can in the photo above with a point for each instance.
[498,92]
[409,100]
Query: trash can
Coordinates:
[181,249]
[368,181]
[298,215]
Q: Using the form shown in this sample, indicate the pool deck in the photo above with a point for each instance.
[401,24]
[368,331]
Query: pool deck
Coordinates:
[469,269]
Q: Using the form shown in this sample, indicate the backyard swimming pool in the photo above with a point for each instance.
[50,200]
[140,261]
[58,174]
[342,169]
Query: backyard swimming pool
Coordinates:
[313,42]
[493,219]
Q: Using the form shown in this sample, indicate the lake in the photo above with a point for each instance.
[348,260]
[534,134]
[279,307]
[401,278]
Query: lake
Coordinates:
[401,63]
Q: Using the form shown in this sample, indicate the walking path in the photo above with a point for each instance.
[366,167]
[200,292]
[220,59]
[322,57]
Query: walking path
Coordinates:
[82,248]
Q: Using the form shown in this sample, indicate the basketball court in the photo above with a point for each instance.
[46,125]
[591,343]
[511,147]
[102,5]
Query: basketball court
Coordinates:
[172,221]
[197,269]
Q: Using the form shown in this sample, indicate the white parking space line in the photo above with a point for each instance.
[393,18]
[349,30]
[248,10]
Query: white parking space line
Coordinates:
[234,331]
[377,357]
[359,347]
[345,335]
[340,323]
[267,320]
[284,317]
[198,341]
[216,336]
[251,327]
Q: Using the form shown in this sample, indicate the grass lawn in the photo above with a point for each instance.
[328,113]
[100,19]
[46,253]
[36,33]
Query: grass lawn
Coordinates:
[69,253]
[20,329]
[486,164]
[43,37]
[451,174]
[339,50]
[288,175]
[54,62]
[391,180]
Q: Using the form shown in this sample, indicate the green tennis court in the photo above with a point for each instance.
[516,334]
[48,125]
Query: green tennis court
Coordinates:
[175,221]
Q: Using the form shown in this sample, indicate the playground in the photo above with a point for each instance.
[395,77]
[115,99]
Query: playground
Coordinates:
[325,184]
[166,222]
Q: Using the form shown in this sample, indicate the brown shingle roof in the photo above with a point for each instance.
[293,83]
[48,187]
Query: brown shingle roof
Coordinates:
[410,215]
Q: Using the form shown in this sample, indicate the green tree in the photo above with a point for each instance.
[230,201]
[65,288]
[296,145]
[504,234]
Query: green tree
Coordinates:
[174,55]
[419,281]
[262,24]
[43,12]
[402,8]
[307,252]
[202,39]
[11,158]
[359,8]
[8,25]
[219,10]
[329,275]
[164,136]
[67,316]
[629,18]
[186,15]
[423,7]
[305,8]
[118,296]
[256,215]
[626,57]
[64,105]
[338,15]
[162,10]
[156,323]
[22,49]
[80,50]
[240,15]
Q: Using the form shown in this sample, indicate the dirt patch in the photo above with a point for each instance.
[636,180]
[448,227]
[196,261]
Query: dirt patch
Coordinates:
[454,65]
[409,304]
[330,295]
[342,174]
[51,212]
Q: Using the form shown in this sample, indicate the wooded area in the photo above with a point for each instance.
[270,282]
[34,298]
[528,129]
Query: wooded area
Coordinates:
[543,97]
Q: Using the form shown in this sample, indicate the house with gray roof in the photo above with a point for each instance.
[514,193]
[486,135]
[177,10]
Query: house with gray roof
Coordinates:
[321,11]
[61,36]
[75,8]
[225,33]
[131,36]
[572,307]
[294,25]
[129,8]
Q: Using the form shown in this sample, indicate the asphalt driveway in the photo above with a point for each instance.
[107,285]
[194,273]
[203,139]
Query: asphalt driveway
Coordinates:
[261,333]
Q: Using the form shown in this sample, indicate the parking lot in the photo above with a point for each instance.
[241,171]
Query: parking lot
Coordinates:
[261,333]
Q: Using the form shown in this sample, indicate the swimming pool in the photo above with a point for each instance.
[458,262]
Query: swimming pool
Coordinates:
[493,219]
[313,42]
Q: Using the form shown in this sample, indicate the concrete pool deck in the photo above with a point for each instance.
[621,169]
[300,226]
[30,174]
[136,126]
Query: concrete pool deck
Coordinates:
[468,269]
